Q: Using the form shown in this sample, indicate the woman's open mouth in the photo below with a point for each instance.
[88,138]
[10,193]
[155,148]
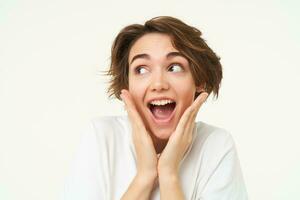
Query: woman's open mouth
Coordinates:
[162,111]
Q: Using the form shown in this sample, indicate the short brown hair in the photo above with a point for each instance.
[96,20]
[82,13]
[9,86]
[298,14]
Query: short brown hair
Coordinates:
[205,65]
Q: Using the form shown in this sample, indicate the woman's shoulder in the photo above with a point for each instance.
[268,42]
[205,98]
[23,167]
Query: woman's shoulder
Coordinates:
[213,136]
[108,122]
[109,127]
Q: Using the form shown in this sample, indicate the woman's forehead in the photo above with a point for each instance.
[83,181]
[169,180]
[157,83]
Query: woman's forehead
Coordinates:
[153,45]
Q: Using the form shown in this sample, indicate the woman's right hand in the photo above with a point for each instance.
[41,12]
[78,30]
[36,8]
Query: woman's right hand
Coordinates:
[146,155]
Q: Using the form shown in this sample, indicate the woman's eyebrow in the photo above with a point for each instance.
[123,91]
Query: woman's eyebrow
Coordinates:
[146,56]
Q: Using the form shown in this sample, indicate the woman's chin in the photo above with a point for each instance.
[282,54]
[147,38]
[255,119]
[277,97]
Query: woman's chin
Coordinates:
[162,134]
[161,131]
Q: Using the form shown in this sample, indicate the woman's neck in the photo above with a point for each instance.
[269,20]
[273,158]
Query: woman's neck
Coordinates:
[159,144]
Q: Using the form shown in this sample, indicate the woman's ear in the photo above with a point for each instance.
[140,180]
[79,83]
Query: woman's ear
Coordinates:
[201,88]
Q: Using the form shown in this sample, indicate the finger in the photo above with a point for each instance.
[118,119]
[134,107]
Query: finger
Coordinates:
[188,135]
[141,138]
[198,102]
[187,120]
[196,106]
[190,112]
[126,97]
[131,110]
[183,121]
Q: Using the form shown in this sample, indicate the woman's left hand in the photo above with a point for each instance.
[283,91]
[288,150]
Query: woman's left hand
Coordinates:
[180,140]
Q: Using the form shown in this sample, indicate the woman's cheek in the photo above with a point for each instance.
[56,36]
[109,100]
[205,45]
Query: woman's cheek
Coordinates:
[137,92]
[187,101]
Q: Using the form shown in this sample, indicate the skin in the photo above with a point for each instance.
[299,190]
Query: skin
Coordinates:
[164,167]
[158,77]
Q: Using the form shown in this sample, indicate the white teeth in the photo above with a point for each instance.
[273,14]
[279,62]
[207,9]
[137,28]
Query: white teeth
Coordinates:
[161,102]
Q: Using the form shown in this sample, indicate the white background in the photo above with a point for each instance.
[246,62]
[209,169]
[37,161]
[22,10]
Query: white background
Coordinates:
[52,53]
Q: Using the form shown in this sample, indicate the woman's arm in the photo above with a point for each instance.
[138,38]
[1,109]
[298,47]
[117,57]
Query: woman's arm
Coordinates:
[140,188]
[173,153]
[169,160]
[170,187]
[146,158]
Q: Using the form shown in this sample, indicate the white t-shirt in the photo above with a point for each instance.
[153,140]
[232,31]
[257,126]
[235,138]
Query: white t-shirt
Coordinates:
[105,164]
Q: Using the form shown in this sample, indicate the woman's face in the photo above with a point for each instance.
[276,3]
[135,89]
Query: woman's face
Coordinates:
[160,82]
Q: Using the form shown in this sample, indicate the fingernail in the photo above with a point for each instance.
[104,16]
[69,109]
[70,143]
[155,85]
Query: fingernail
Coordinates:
[123,91]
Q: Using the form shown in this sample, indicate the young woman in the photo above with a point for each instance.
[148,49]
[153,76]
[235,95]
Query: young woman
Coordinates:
[163,71]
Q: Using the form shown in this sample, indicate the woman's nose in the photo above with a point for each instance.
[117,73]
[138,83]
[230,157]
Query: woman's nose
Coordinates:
[159,82]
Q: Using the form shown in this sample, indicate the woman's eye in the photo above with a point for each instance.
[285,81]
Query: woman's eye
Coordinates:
[176,68]
[141,70]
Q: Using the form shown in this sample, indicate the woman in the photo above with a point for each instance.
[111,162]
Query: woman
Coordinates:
[163,71]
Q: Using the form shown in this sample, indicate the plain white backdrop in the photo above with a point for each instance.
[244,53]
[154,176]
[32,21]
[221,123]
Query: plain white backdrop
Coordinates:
[52,54]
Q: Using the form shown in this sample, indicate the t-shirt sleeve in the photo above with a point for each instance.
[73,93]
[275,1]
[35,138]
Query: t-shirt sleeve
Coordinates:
[85,180]
[225,181]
